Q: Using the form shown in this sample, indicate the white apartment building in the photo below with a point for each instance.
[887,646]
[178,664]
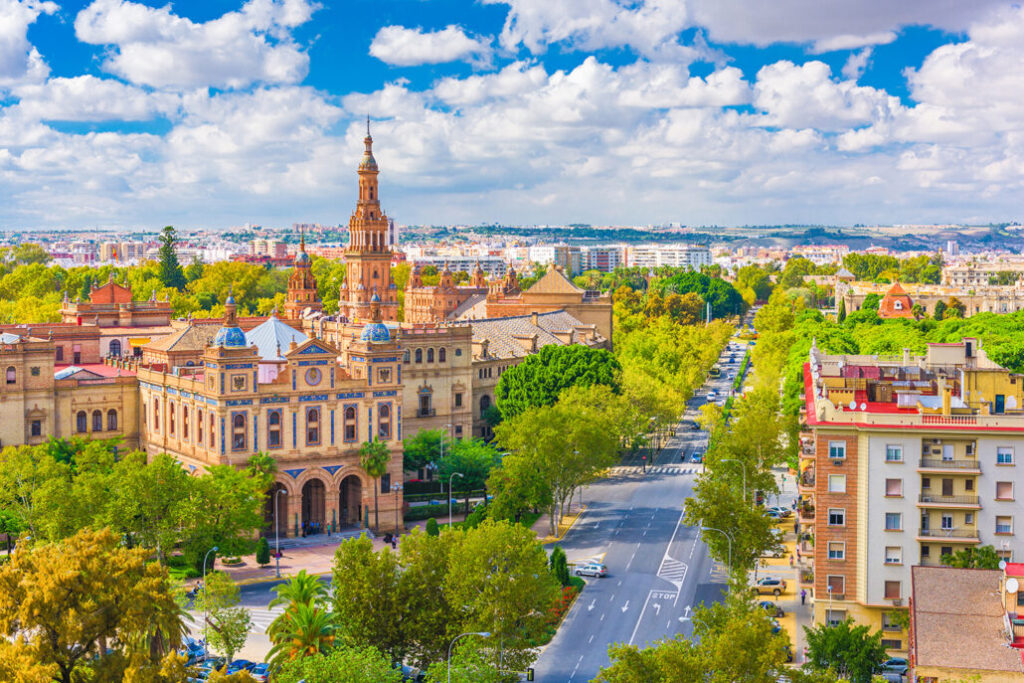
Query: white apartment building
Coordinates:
[691,256]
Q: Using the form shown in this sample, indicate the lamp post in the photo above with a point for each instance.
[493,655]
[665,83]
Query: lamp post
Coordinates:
[277,533]
[728,538]
[397,489]
[482,634]
[211,550]
[454,474]
[744,466]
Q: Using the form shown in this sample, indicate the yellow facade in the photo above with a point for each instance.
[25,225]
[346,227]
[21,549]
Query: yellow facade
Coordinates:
[938,674]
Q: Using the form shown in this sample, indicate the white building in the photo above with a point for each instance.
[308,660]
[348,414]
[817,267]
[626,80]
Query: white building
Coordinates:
[692,256]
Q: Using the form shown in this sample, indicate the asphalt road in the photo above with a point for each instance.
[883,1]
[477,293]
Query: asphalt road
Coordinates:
[658,568]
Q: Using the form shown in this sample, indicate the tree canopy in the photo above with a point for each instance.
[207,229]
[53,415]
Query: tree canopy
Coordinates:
[541,377]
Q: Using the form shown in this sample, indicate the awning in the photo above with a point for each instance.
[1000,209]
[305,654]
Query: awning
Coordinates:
[138,341]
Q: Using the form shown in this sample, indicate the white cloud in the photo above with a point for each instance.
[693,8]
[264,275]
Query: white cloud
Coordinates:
[157,48]
[514,79]
[851,42]
[856,63]
[20,62]
[88,98]
[402,46]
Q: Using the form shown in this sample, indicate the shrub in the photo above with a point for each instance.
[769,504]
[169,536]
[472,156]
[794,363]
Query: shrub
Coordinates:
[262,552]
[432,529]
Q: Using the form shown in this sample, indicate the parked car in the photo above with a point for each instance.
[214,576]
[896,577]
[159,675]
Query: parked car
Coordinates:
[239,665]
[776,626]
[772,609]
[780,511]
[777,552]
[897,665]
[769,584]
[711,395]
[204,668]
[260,672]
[592,569]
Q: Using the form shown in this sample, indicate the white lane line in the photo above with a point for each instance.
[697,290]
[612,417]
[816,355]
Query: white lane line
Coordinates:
[640,618]
[592,637]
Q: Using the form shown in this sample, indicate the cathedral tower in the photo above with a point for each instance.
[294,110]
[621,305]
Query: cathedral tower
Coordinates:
[302,292]
[368,255]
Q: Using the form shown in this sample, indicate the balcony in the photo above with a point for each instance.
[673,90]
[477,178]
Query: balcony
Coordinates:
[949,535]
[805,482]
[964,466]
[425,412]
[929,500]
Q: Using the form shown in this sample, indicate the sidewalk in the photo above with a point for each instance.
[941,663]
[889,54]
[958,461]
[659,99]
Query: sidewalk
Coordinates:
[797,615]
[542,527]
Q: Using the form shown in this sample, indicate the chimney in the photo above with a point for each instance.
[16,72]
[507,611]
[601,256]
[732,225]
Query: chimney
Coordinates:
[906,356]
[534,318]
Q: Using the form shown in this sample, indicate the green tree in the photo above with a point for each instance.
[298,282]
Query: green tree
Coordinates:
[541,377]
[428,620]
[940,310]
[917,310]
[851,651]
[348,664]
[473,661]
[304,631]
[422,448]
[559,566]
[194,270]
[262,551]
[366,597]
[795,271]
[473,459]
[871,302]
[374,457]
[301,589]
[28,253]
[171,274]
[432,528]
[227,625]
[982,557]
[956,308]
[841,315]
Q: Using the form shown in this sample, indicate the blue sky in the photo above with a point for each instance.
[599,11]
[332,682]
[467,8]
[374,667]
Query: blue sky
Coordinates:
[222,112]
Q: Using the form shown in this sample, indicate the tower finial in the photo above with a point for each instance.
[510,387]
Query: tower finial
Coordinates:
[367,125]
[302,239]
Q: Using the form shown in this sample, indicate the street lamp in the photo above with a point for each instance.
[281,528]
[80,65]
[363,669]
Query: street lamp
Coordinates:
[454,474]
[744,466]
[728,538]
[397,489]
[211,550]
[482,634]
[277,533]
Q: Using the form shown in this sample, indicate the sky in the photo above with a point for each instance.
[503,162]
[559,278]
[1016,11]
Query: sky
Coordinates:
[215,113]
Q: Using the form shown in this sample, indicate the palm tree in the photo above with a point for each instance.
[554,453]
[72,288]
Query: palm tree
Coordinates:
[301,589]
[374,456]
[302,630]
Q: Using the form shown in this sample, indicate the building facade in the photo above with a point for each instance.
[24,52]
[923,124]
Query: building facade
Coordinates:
[981,299]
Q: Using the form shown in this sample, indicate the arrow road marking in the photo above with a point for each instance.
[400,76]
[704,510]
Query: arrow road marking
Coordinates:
[626,606]
[591,605]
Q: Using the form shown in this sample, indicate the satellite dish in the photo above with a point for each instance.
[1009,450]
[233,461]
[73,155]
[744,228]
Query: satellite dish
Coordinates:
[1002,564]
[863,406]
[1011,586]
[853,405]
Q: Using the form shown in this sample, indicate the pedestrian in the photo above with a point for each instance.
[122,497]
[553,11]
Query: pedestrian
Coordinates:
[803,596]
[394,542]
[790,560]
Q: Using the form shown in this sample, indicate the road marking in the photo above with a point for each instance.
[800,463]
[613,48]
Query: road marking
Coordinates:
[591,638]
[626,606]
[612,599]
[591,605]
[657,608]
[602,616]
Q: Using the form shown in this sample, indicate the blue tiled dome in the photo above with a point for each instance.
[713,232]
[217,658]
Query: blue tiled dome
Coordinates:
[302,258]
[375,332]
[230,337]
[375,298]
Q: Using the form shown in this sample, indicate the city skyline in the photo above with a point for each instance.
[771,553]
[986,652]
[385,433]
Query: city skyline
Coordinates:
[125,114]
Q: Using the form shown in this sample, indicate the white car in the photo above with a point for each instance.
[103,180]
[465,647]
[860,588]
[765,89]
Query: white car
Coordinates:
[712,395]
[592,569]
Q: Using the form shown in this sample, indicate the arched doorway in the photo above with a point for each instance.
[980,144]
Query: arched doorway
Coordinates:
[313,506]
[350,501]
[279,492]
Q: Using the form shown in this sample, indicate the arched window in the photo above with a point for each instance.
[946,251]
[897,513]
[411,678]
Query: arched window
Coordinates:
[375,274]
[485,403]
[238,432]
[156,414]
[184,422]
[350,424]
[384,421]
[442,355]
[112,420]
[81,422]
[190,363]
[313,427]
[199,426]
[430,355]
[419,355]
[171,422]
[115,347]
[405,356]
[213,430]
[274,429]
[97,421]
[12,375]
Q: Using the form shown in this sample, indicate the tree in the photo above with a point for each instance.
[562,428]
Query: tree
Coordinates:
[841,315]
[227,625]
[262,467]
[917,310]
[541,377]
[940,310]
[28,253]
[262,551]
[559,566]
[956,308]
[473,661]
[171,274]
[982,557]
[473,459]
[62,603]
[301,589]
[366,597]
[795,271]
[428,620]
[422,448]
[432,528]
[374,457]
[871,302]
[302,632]
[349,664]
[851,651]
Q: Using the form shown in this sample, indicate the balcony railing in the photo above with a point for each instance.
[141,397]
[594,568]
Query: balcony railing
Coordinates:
[948,533]
[429,412]
[807,480]
[947,500]
[940,464]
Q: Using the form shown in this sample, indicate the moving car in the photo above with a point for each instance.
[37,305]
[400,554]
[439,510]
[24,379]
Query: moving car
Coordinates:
[697,457]
[769,584]
[712,395]
[592,569]
[776,552]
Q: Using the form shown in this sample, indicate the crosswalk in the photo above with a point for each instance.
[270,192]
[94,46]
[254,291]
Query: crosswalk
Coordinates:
[261,619]
[623,470]
[672,570]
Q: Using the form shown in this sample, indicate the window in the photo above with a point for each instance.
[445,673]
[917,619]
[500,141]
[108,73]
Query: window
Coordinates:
[837,450]
[1004,524]
[837,483]
[12,375]
[836,550]
[890,621]
[458,399]
[81,422]
[199,426]
[37,428]
[213,430]
[485,403]
[34,370]
[156,413]
[893,521]
[384,376]
[385,483]
[1004,456]
[97,421]
[894,488]
[892,590]
[170,417]
[115,347]
[836,584]
[112,420]
[238,432]
[184,422]
[405,357]
[926,551]
[968,485]
[458,352]
[893,453]
[458,431]
[897,305]
[893,554]
[312,426]
[384,421]
[926,482]
[442,355]
[60,353]
[945,550]
[835,616]
[430,355]
[1004,490]
[968,518]
[274,429]
[419,355]
[836,517]
[947,521]
[350,423]
[892,644]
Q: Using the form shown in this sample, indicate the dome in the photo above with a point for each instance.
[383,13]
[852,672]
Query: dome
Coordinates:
[375,332]
[375,298]
[368,163]
[230,337]
[231,298]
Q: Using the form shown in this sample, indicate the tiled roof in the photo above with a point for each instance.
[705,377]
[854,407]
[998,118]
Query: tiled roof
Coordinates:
[467,305]
[949,603]
[554,282]
[192,338]
[503,334]
[273,338]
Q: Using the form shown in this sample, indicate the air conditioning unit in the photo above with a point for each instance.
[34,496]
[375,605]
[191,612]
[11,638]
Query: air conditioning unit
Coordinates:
[838,462]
